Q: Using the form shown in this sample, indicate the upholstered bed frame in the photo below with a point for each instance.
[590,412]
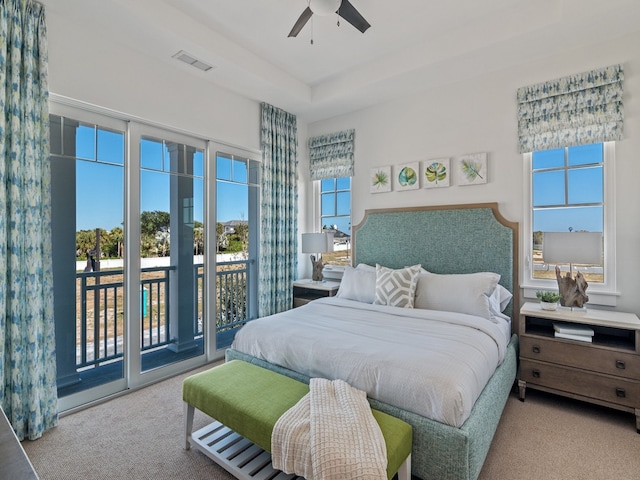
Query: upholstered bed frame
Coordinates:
[444,239]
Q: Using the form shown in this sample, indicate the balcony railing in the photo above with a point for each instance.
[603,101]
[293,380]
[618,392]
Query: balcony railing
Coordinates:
[100,322]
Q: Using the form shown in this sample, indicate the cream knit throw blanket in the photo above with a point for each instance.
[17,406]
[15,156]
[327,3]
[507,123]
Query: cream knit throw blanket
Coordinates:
[330,434]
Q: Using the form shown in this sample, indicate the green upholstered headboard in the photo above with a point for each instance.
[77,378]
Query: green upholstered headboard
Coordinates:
[443,239]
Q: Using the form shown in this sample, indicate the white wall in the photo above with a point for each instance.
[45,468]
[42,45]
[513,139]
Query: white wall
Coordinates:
[479,115]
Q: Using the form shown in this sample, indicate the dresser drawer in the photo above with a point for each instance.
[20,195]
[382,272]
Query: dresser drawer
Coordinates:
[587,357]
[593,385]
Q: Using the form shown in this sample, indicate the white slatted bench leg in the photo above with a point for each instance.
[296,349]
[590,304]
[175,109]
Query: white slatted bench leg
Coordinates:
[404,472]
[188,424]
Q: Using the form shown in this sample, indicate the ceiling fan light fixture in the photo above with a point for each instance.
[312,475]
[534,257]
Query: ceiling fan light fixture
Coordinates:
[324,7]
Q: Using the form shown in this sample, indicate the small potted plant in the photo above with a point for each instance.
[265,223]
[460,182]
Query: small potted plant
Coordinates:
[548,300]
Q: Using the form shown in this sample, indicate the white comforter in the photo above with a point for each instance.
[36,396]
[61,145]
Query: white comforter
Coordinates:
[432,363]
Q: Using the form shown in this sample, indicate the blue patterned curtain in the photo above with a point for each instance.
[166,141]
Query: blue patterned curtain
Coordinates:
[575,110]
[27,344]
[331,156]
[279,210]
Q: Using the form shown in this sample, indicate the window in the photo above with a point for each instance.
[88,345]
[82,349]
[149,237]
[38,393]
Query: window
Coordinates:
[335,216]
[569,192]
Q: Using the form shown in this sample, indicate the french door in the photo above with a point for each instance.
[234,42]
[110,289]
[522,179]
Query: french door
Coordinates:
[129,222]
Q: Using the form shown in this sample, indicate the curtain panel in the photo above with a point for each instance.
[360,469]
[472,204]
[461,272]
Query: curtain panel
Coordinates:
[27,331]
[279,210]
[331,156]
[574,110]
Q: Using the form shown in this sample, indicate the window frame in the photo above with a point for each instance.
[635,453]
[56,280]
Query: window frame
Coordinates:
[606,293]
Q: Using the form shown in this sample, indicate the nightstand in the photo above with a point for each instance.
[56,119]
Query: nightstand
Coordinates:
[306,290]
[604,371]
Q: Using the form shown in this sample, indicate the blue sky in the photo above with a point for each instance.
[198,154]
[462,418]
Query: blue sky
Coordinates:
[569,196]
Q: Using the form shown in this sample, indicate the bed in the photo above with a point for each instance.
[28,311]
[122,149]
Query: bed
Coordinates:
[450,441]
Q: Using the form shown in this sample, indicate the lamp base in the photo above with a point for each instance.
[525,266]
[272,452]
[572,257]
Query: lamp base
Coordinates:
[317,266]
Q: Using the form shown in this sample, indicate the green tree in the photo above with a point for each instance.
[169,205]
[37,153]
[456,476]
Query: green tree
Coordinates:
[221,238]
[154,222]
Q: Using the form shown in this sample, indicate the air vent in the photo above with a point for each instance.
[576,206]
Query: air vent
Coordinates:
[191,60]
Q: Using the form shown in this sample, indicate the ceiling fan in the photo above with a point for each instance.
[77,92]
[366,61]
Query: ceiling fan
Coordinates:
[326,7]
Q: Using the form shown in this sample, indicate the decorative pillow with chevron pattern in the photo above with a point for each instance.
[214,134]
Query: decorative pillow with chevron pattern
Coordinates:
[396,287]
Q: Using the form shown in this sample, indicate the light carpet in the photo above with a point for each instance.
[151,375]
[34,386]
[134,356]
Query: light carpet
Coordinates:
[140,436]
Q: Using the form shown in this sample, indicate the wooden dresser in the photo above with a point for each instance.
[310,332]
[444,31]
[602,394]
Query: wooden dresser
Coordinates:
[605,371]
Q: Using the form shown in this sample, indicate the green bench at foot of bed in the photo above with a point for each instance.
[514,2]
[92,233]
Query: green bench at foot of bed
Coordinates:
[248,400]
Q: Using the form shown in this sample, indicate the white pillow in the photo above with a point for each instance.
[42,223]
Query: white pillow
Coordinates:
[396,288]
[467,293]
[499,299]
[365,267]
[358,285]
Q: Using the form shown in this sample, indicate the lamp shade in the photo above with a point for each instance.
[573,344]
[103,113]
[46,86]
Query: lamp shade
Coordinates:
[317,242]
[584,248]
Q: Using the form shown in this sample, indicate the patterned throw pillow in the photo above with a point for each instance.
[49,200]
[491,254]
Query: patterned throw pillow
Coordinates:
[396,288]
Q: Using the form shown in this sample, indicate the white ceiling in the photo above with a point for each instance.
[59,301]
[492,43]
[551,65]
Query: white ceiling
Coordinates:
[412,44]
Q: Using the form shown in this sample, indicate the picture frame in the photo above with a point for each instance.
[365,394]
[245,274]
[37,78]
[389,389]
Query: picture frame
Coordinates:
[407,176]
[380,179]
[472,169]
[436,173]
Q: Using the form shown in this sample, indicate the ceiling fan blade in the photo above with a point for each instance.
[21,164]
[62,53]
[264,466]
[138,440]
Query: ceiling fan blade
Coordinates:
[351,15]
[302,21]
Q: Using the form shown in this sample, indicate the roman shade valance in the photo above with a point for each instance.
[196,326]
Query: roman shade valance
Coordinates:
[331,155]
[575,110]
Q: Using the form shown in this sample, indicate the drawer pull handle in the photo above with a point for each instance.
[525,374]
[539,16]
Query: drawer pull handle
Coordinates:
[536,349]
[620,393]
[536,373]
[620,364]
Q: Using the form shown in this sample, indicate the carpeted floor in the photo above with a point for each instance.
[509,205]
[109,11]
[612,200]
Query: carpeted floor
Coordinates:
[139,436]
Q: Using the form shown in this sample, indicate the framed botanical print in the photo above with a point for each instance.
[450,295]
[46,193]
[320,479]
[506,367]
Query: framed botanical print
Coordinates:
[472,169]
[436,173]
[380,180]
[406,176]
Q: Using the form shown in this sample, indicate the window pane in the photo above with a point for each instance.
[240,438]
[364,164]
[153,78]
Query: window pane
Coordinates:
[548,158]
[198,163]
[254,172]
[223,168]
[344,203]
[150,154]
[327,185]
[85,143]
[166,156]
[586,154]
[328,204]
[343,183]
[239,171]
[577,219]
[110,146]
[99,196]
[55,134]
[69,137]
[548,188]
[585,185]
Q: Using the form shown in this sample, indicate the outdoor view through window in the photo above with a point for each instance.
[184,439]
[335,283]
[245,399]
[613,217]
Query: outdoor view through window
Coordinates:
[567,196]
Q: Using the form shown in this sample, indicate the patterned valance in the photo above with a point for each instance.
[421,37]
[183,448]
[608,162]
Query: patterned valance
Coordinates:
[575,110]
[331,155]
